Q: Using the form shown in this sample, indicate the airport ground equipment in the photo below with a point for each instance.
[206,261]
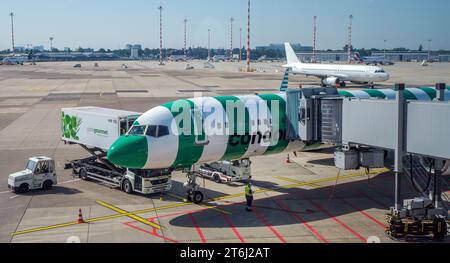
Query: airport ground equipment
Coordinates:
[227,171]
[95,130]
[38,174]
[406,124]
[417,218]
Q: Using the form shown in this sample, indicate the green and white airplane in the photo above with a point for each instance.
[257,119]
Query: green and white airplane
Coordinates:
[183,133]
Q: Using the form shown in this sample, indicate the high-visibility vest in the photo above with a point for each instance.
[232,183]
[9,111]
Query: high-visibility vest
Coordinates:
[248,191]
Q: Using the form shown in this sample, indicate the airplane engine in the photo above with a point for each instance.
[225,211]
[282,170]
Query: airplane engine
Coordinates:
[425,162]
[331,81]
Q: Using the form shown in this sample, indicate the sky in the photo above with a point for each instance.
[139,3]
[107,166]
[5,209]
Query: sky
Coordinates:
[114,23]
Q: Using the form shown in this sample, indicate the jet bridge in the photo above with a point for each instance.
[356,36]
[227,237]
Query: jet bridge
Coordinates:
[365,131]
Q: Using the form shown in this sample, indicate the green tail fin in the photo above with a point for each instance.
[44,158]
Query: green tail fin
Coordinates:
[285,82]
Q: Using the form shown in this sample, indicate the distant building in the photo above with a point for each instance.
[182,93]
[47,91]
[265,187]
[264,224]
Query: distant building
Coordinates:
[39,48]
[135,49]
[444,58]
[20,48]
[405,56]
[128,46]
[280,47]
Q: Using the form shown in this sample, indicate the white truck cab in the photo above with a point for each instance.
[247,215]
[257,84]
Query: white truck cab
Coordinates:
[38,174]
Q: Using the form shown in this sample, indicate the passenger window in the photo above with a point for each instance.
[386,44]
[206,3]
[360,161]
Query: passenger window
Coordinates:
[151,131]
[163,131]
[137,131]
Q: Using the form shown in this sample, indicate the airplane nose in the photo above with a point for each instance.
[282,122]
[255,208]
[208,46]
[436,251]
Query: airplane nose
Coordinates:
[387,76]
[129,152]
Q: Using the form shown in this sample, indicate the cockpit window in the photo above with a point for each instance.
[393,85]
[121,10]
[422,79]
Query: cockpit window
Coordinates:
[157,131]
[152,131]
[137,131]
[163,131]
[380,71]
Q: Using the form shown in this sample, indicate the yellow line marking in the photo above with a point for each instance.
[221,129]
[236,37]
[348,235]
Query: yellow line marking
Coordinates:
[130,215]
[203,205]
[313,185]
[43,228]
[186,204]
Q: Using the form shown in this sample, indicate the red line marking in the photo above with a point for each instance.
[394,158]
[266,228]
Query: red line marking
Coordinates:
[228,220]
[301,220]
[130,224]
[199,231]
[260,216]
[335,219]
[177,214]
[362,212]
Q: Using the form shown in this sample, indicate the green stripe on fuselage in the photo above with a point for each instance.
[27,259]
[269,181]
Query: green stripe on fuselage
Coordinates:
[189,152]
[282,143]
[235,149]
[431,92]
[375,93]
[346,94]
[409,95]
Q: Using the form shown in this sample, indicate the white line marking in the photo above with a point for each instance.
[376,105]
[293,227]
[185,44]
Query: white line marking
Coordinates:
[5,192]
[71,181]
[12,197]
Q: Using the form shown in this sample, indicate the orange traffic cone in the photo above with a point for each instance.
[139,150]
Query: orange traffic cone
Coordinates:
[80,217]
[288,159]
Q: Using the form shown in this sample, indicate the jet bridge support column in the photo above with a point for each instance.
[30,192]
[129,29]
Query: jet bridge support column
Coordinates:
[439,163]
[399,150]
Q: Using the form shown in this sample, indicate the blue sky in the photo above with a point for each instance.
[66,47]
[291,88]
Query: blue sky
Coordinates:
[113,23]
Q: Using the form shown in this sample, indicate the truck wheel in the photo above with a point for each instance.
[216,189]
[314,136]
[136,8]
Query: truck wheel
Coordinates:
[47,185]
[198,197]
[127,187]
[216,178]
[24,188]
[189,196]
[83,174]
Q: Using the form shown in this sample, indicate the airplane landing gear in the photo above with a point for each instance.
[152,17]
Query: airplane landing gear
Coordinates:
[193,188]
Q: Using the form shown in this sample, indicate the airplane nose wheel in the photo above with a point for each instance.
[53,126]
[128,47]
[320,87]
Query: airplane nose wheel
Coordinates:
[193,189]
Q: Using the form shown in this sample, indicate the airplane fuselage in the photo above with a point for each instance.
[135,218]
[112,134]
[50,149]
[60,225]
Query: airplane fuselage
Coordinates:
[201,130]
[354,73]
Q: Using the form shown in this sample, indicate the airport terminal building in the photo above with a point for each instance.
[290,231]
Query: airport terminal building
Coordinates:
[390,56]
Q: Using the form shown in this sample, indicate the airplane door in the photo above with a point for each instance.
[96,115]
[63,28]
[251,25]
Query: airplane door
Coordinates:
[306,120]
[201,136]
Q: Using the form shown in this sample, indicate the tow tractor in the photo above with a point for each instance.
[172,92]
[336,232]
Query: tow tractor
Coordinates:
[38,174]
[227,171]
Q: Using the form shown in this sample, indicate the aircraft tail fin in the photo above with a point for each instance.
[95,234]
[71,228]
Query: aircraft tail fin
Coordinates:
[290,54]
[285,82]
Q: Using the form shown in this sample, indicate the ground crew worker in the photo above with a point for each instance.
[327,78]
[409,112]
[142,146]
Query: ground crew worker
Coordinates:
[249,196]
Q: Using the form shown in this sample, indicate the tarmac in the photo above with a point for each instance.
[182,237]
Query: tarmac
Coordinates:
[299,202]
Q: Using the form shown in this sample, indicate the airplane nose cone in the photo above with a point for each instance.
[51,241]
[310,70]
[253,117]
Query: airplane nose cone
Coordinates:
[129,152]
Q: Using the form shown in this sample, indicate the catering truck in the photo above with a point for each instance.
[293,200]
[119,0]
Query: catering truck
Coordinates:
[95,130]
